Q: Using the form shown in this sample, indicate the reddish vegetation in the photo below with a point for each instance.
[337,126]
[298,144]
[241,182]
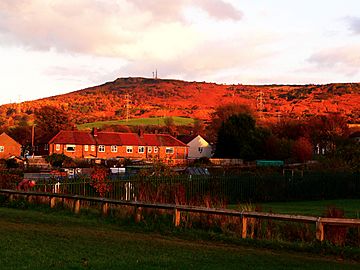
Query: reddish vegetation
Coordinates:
[156,97]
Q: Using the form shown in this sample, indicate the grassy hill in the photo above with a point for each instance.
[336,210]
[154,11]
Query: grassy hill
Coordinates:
[149,98]
[154,121]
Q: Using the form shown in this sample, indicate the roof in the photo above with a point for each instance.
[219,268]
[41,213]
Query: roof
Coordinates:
[7,136]
[115,138]
[355,134]
[187,138]
[73,137]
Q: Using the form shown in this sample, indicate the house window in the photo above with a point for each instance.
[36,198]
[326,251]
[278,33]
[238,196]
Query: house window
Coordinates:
[114,148]
[200,150]
[149,149]
[86,148]
[155,149]
[92,148]
[57,147]
[1,148]
[169,150]
[46,147]
[129,149]
[70,148]
[101,148]
[141,149]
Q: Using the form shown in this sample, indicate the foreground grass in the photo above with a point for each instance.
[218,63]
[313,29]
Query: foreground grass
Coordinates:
[32,239]
[154,121]
[314,208]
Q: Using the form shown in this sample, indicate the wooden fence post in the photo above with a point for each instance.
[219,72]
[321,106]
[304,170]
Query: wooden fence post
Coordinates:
[77,206]
[29,198]
[244,226]
[319,230]
[52,202]
[11,197]
[104,209]
[177,218]
[138,212]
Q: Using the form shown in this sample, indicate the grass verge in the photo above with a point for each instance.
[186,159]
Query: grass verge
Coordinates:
[48,239]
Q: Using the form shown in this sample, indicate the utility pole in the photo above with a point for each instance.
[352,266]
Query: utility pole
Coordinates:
[32,139]
[260,103]
[127,105]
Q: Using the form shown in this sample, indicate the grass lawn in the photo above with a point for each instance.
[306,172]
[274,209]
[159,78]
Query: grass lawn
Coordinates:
[314,208]
[154,121]
[32,239]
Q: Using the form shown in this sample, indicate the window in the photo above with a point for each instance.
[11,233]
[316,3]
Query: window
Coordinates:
[200,150]
[141,149]
[169,150]
[92,148]
[129,149]
[149,149]
[156,149]
[86,148]
[46,147]
[1,148]
[70,148]
[114,148]
[101,148]
[57,147]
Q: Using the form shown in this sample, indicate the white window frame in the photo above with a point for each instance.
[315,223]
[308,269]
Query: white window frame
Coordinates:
[101,148]
[70,146]
[86,148]
[141,149]
[156,149]
[129,149]
[114,149]
[149,149]
[169,150]
[57,147]
[2,148]
[92,148]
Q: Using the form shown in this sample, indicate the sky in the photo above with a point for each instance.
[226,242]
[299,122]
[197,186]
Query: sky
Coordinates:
[50,47]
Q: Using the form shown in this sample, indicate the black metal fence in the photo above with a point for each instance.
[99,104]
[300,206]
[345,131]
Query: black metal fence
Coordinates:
[232,188]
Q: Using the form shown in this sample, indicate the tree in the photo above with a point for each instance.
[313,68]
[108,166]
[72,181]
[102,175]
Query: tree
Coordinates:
[238,137]
[49,121]
[302,150]
[221,114]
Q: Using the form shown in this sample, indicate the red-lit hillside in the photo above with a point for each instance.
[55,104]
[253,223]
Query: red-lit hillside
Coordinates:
[156,97]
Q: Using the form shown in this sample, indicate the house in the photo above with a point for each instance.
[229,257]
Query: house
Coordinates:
[198,146]
[107,145]
[9,147]
[355,136]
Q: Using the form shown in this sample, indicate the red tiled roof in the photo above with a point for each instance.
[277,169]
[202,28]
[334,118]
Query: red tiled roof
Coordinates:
[162,140]
[115,138]
[73,137]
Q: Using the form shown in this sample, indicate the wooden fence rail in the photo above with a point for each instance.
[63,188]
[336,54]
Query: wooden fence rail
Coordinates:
[245,216]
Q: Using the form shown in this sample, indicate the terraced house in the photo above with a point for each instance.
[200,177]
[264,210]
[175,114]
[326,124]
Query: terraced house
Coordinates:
[107,145]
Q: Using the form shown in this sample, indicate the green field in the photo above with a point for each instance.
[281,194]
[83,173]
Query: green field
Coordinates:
[314,208]
[34,239]
[153,121]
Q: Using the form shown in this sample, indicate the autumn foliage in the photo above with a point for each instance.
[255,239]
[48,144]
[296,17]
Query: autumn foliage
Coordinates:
[99,180]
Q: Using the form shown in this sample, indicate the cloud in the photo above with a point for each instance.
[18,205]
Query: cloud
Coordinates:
[126,28]
[354,24]
[345,59]
[170,10]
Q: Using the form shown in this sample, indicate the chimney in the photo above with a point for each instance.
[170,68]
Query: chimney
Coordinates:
[141,132]
[95,132]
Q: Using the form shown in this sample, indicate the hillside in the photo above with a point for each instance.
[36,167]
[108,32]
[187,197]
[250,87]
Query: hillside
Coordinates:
[156,97]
